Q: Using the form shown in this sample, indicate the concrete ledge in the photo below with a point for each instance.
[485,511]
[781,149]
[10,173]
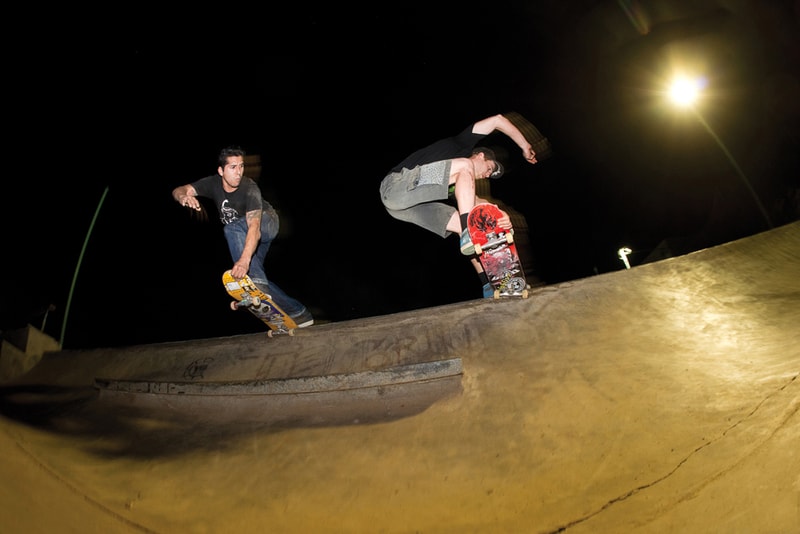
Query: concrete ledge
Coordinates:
[363,397]
[312,384]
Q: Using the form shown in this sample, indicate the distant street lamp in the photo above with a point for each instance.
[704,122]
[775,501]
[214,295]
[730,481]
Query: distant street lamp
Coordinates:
[623,255]
[684,93]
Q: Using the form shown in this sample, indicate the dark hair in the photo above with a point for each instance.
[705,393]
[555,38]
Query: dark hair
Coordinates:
[228,152]
[488,153]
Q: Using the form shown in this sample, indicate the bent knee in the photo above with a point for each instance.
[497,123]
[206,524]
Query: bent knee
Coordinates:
[392,205]
[395,213]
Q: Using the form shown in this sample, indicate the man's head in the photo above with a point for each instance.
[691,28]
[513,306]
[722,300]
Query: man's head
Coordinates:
[227,152]
[231,167]
[491,159]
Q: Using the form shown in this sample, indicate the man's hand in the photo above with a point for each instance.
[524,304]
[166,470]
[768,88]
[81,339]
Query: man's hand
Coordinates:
[529,154]
[190,202]
[185,195]
[240,269]
[504,222]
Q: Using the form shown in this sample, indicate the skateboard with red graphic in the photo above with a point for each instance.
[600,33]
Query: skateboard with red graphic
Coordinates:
[496,251]
[250,297]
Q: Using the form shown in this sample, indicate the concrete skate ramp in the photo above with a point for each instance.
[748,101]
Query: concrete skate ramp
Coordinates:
[664,398]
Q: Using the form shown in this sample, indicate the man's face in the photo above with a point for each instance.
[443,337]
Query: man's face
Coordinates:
[484,167]
[492,166]
[232,172]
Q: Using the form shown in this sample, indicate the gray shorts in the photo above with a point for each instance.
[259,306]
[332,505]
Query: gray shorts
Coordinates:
[415,195]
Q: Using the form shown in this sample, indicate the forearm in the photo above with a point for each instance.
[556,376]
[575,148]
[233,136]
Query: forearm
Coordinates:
[501,123]
[507,127]
[252,238]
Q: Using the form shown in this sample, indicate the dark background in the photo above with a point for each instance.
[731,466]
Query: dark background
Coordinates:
[108,117]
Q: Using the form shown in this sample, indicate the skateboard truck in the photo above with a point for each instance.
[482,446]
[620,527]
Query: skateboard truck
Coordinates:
[494,240]
[247,302]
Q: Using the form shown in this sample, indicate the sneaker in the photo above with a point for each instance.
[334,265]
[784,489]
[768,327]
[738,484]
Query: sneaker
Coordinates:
[488,291]
[467,248]
[304,319]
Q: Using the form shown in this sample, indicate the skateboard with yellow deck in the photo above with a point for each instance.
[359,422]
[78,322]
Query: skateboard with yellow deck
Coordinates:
[250,297]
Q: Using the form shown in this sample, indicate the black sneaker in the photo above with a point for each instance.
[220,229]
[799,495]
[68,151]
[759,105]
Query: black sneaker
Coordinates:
[304,320]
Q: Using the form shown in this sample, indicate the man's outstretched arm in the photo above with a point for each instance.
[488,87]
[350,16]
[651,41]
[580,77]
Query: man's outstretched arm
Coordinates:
[500,123]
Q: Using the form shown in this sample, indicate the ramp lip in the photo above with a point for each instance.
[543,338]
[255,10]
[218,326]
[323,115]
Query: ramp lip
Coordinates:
[403,374]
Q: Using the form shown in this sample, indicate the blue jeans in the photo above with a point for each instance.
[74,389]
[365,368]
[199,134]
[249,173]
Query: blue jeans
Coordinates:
[235,235]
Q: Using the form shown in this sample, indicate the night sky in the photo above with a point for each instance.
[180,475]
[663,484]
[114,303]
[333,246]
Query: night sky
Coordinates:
[109,118]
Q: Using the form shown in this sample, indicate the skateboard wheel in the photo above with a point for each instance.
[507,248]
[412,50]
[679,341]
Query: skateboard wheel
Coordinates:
[496,294]
[525,294]
[509,238]
[234,305]
[255,302]
[516,285]
[478,249]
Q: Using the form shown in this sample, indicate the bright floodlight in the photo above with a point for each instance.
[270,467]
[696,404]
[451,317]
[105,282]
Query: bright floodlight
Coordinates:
[684,91]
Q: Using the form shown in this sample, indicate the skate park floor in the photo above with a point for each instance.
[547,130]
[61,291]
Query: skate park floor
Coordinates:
[661,398]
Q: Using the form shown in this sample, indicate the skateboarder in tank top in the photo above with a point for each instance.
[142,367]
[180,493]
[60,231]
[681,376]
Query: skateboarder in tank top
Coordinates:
[422,188]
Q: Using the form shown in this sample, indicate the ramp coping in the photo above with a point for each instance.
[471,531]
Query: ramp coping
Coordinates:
[417,372]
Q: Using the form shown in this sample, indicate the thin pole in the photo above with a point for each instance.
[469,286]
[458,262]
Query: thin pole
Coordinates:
[78,266]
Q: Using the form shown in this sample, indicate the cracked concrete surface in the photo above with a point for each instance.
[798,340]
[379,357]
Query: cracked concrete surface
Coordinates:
[664,398]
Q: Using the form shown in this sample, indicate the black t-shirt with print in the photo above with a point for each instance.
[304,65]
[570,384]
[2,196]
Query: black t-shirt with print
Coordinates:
[231,206]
